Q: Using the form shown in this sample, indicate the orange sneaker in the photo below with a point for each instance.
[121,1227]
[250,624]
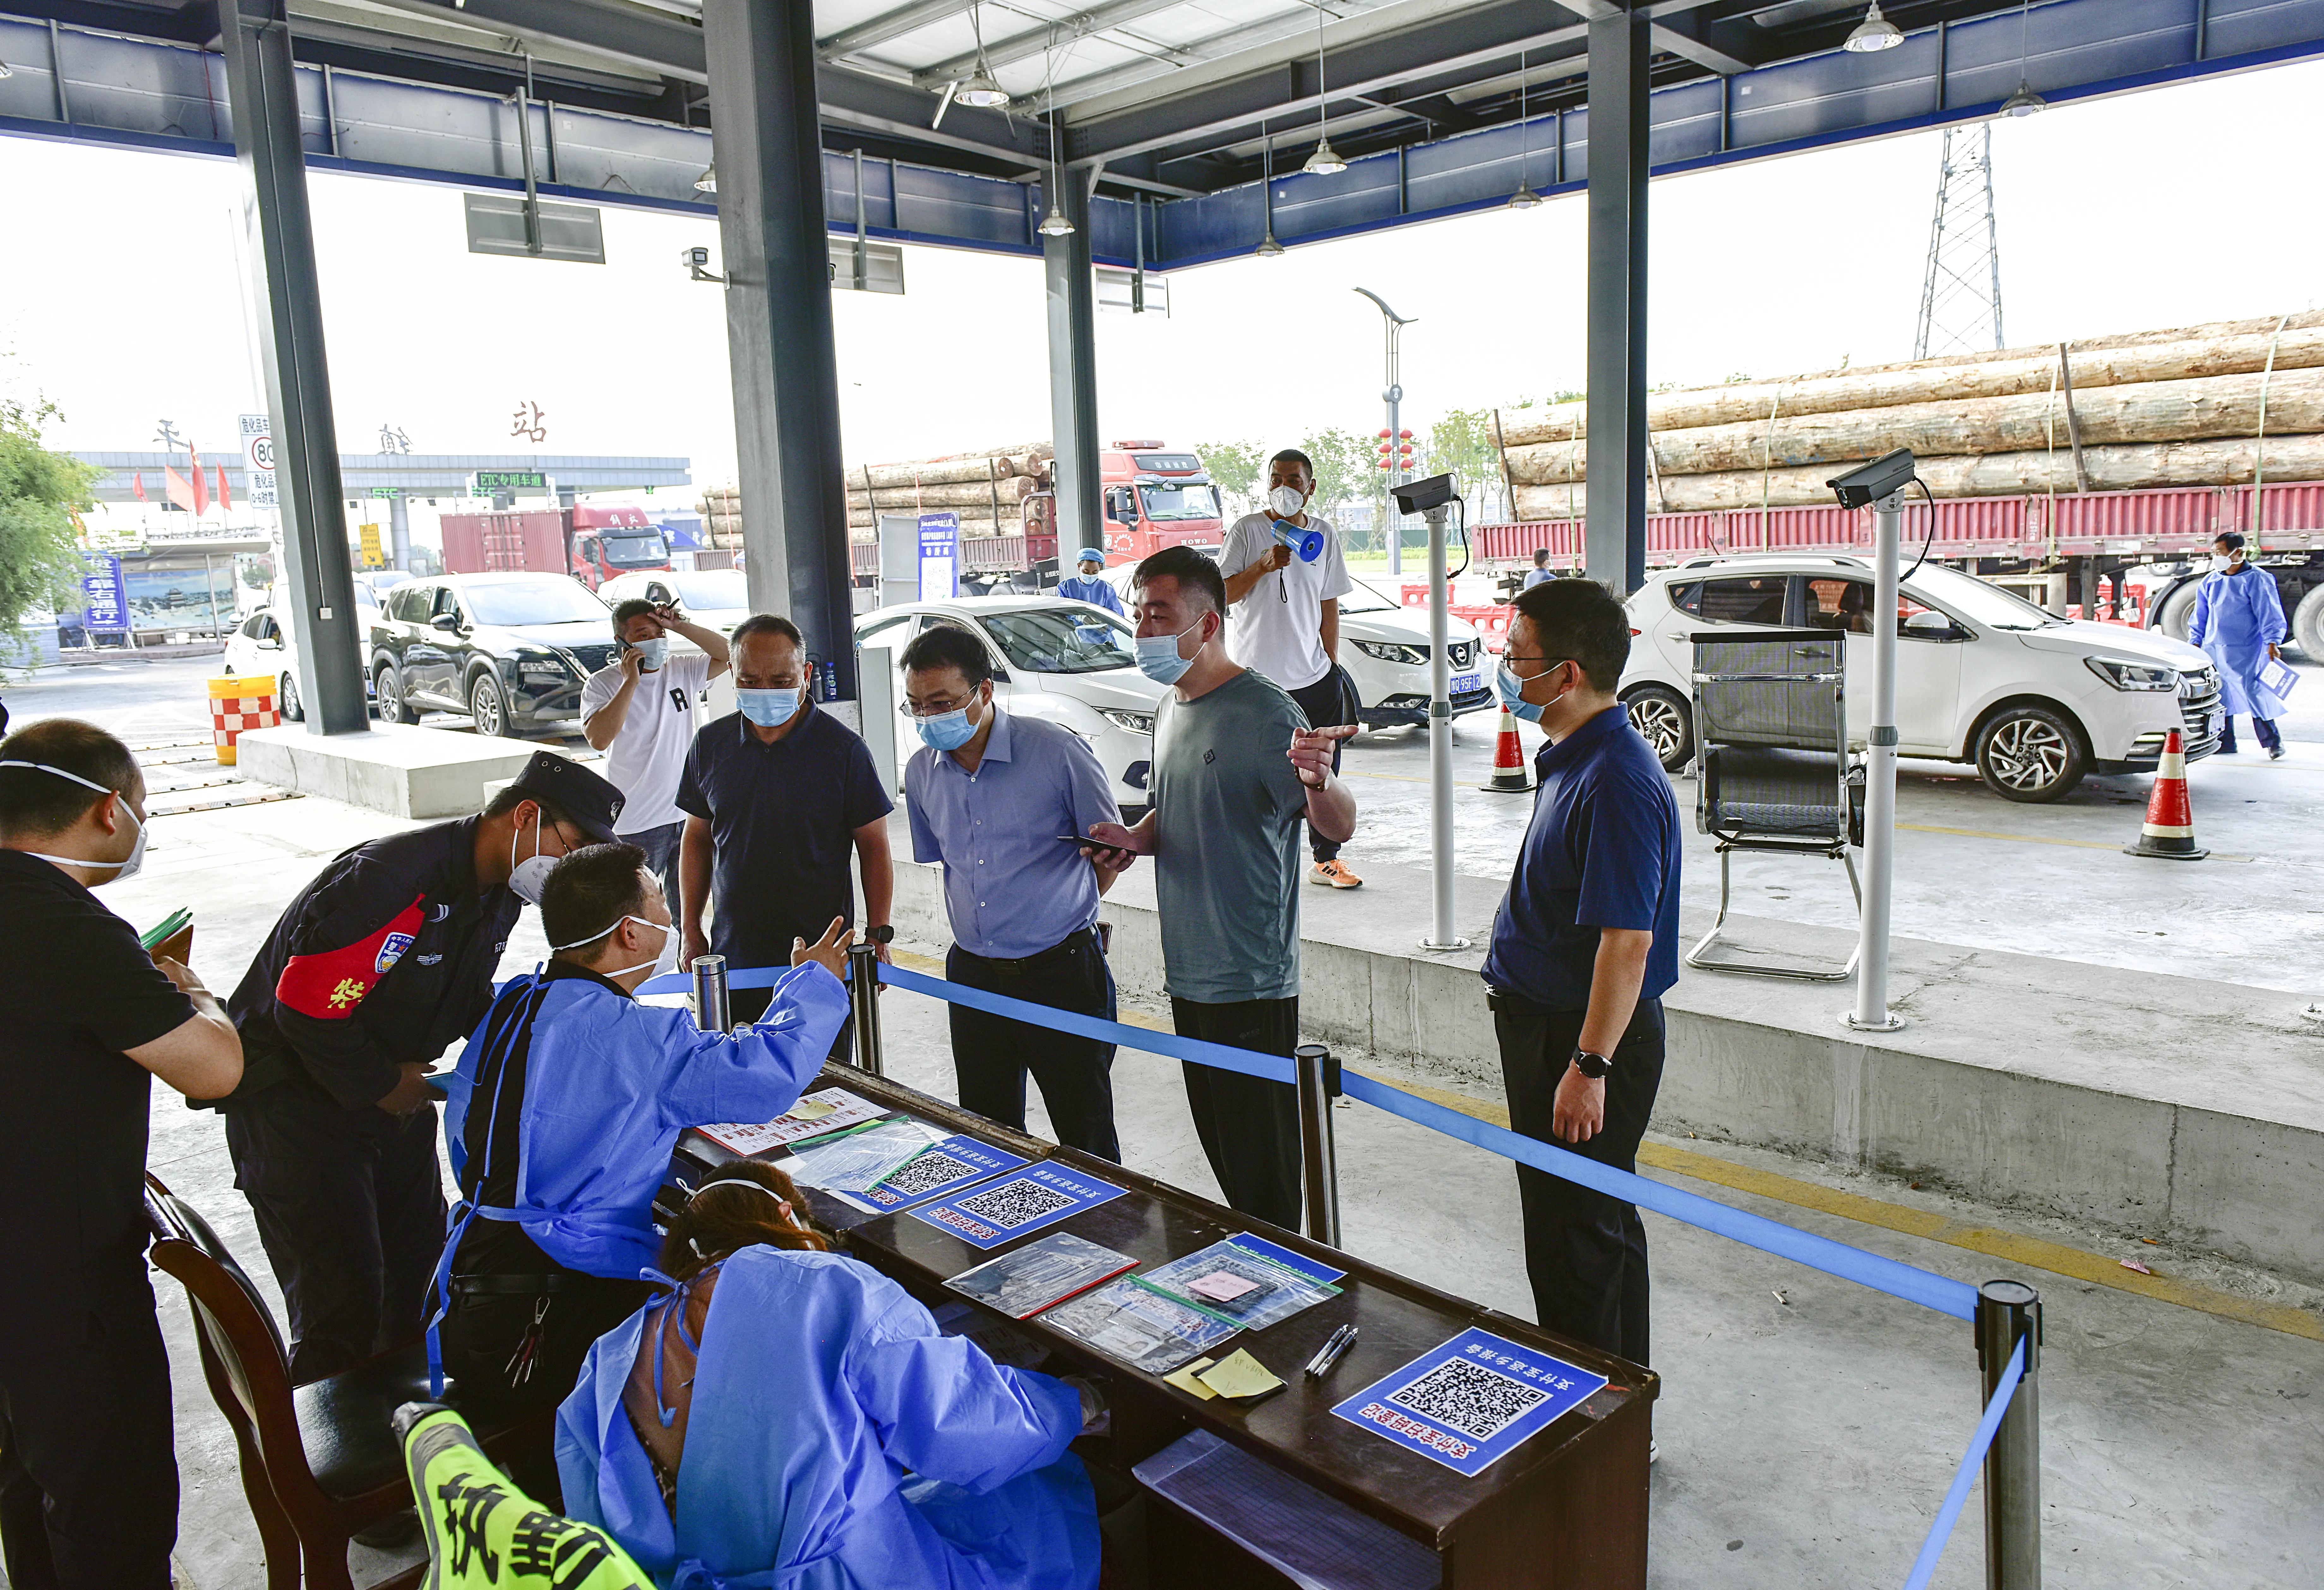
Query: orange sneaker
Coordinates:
[1334,874]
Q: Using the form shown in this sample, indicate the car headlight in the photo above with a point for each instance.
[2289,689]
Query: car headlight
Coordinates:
[1389,651]
[538,662]
[1136,723]
[2124,674]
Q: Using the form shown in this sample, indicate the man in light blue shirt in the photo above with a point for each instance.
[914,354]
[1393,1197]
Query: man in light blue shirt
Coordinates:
[1087,587]
[992,796]
[1540,569]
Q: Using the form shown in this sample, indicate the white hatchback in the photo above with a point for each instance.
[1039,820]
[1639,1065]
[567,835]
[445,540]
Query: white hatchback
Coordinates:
[2033,700]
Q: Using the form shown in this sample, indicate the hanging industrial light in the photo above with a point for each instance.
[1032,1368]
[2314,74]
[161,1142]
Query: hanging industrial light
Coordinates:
[708,181]
[1326,162]
[1054,224]
[1876,32]
[979,89]
[1525,198]
[2025,102]
[1268,248]
[5,72]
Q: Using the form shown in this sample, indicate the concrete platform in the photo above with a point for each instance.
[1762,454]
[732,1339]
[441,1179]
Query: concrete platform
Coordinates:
[402,770]
[2187,1111]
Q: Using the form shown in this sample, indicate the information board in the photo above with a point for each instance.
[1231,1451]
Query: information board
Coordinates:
[489,481]
[1471,1401]
[373,557]
[1009,1207]
[258,460]
[939,557]
[105,594]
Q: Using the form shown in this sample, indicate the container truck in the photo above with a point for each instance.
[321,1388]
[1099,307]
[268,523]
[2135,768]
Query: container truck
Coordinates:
[590,543]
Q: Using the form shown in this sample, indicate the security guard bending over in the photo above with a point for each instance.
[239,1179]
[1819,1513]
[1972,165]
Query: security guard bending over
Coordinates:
[381,964]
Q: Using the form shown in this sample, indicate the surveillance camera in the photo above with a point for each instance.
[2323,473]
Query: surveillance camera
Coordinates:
[694,258]
[1868,482]
[1419,496]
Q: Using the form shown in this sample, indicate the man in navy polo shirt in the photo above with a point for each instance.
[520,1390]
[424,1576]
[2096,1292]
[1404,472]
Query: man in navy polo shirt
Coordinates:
[1584,947]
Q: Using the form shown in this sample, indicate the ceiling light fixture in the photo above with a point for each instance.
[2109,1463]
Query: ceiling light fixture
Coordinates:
[708,181]
[1054,224]
[1525,198]
[2025,102]
[1875,33]
[1268,248]
[979,90]
[1326,162]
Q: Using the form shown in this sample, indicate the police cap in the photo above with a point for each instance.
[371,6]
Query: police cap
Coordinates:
[580,796]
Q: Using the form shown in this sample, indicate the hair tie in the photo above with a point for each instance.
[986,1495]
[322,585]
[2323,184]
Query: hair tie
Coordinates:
[737,1181]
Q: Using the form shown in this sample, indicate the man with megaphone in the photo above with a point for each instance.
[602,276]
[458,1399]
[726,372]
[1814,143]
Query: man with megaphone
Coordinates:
[1285,578]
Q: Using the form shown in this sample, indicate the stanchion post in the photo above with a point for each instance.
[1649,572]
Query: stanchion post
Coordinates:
[2009,1312]
[710,1008]
[864,993]
[1871,1014]
[1318,1162]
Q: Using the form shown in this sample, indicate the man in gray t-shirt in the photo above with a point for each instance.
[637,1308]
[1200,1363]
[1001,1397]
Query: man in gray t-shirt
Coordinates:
[1236,768]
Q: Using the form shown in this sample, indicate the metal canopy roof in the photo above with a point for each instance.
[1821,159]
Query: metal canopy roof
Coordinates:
[1174,103]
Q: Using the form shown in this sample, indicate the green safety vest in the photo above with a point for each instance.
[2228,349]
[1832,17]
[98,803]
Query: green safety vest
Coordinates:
[484,1534]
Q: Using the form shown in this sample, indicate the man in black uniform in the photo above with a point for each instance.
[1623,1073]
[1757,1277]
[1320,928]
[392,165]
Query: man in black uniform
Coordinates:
[380,965]
[88,1478]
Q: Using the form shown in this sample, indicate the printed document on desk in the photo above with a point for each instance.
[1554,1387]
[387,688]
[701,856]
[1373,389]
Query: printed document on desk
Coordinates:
[1471,1401]
[834,1109]
[1022,1283]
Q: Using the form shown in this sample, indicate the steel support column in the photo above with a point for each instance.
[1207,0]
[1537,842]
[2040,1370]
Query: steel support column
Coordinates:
[265,103]
[399,531]
[779,334]
[1614,543]
[1073,370]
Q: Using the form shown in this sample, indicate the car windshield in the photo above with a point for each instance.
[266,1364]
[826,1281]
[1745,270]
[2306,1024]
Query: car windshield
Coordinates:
[642,550]
[1062,640]
[711,589]
[1364,598]
[533,601]
[1180,502]
[1980,603]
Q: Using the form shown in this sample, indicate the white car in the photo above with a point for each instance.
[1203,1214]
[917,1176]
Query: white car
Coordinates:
[1071,663]
[262,644]
[2035,701]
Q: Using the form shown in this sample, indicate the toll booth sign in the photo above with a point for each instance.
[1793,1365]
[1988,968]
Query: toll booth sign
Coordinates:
[939,557]
[1471,1401]
[258,460]
[105,594]
[373,557]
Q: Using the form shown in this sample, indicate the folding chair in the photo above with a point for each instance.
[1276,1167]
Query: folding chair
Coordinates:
[318,1462]
[1771,722]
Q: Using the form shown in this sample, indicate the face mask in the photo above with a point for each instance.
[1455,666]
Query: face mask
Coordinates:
[121,869]
[768,708]
[651,654]
[1510,689]
[529,876]
[1159,659]
[667,961]
[2221,563]
[1287,500]
[947,731]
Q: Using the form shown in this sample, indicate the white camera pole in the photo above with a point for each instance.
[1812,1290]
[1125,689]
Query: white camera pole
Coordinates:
[1871,1012]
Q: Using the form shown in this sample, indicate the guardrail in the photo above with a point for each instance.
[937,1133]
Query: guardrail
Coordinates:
[2005,1315]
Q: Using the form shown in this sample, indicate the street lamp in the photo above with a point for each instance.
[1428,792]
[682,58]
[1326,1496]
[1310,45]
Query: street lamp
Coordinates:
[1393,395]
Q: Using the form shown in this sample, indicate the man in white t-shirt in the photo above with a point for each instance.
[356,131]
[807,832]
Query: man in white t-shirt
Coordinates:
[640,712]
[1283,622]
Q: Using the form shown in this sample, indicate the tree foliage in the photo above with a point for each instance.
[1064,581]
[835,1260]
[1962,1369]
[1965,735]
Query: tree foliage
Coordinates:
[1344,472]
[41,492]
[1234,467]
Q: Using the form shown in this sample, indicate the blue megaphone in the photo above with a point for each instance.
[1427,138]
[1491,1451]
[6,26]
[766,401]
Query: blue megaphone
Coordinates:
[1308,543]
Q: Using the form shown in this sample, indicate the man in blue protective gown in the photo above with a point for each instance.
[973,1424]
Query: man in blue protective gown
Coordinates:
[790,1418]
[1085,585]
[2239,623]
[563,1110]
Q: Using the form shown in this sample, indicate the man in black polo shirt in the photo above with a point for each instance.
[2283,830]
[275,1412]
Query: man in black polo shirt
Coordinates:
[778,794]
[1584,947]
[88,1479]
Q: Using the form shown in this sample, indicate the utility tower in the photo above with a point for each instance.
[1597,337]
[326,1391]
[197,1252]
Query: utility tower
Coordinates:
[1960,291]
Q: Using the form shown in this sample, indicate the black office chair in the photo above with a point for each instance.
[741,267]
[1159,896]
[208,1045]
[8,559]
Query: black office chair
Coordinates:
[1771,723]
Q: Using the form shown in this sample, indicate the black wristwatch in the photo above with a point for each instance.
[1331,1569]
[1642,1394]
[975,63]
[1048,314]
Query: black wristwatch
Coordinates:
[1591,1065]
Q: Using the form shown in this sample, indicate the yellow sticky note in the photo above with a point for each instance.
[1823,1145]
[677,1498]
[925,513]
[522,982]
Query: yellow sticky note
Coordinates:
[810,1110]
[1239,1375]
[1184,1378]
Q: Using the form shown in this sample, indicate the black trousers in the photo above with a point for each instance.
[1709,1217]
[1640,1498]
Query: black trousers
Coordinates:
[351,1211]
[505,1302]
[992,1054]
[748,1004]
[88,1468]
[1250,1127]
[1329,700]
[1585,1252]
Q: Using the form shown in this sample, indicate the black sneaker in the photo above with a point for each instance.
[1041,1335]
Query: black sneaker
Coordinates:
[396,1530]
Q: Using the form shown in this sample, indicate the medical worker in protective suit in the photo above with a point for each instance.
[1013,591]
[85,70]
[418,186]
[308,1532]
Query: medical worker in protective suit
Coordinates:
[790,1417]
[2239,623]
[561,1118]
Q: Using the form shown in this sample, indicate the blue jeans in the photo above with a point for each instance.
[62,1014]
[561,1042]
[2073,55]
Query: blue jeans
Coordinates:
[661,845]
[2265,728]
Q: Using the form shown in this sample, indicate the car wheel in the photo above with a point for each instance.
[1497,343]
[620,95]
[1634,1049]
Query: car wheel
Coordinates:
[2177,611]
[2031,754]
[286,699]
[488,705]
[1662,718]
[2308,624]
[388,690]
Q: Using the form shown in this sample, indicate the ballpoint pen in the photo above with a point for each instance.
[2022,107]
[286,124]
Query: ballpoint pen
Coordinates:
[1328,1355]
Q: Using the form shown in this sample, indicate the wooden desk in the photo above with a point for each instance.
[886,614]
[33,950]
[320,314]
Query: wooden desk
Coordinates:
[1567,1508]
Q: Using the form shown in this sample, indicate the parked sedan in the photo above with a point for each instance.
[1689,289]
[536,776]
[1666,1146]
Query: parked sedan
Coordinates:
[263,645]
[509,649]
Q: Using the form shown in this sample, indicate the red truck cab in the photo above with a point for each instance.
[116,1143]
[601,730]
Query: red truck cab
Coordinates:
[607,541]
[1155,498]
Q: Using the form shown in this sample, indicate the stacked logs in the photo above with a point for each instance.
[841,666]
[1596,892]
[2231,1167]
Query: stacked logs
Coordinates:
[2200,405]
[985,488]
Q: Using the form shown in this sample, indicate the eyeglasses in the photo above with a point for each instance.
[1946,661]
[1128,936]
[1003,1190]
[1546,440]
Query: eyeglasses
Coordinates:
[934,708]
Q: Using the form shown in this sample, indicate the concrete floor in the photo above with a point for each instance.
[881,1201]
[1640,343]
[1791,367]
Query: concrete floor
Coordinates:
[2180,1447]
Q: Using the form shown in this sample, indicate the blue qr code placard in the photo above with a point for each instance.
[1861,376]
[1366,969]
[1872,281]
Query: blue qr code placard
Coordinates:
[1009,1207]
[1471,1401]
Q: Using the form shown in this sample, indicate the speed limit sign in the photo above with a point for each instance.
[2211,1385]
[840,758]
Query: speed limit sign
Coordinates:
[258,459]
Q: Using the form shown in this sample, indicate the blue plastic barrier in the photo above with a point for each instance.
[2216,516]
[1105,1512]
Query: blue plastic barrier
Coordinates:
[1940,1529]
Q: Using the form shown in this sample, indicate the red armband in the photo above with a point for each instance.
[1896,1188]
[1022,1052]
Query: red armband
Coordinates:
[329,985]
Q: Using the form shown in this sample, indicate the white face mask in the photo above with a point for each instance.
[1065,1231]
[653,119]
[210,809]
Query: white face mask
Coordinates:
[121,869]
[651,654]
[2221,562]
[1287,500]
[667,961]
[529,876]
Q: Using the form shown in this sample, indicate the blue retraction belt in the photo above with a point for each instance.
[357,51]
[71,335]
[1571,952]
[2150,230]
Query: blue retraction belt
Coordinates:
[1940,1530]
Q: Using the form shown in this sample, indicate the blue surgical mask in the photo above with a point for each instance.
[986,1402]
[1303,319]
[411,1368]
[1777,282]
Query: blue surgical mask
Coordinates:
[1510,689]
[651,654]
[947,731]
[1159,659]
[768,708]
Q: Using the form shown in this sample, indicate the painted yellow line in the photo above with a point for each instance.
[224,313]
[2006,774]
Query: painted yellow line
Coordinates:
[2038,839]
[1349,772]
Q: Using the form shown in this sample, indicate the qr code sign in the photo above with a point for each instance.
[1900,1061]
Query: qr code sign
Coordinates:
[926,1174]
[1473,1399]
[1015,1202]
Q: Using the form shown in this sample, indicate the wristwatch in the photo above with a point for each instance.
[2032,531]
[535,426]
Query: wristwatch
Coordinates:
[1591,1065]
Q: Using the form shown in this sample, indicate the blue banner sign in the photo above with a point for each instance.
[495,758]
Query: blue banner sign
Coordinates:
[106,595]
[939,557]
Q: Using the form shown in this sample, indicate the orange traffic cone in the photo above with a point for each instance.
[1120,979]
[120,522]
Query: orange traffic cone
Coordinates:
[2169,828]
[1510,776]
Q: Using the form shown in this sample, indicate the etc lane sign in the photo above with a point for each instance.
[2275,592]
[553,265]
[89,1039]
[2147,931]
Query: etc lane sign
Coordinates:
[258,460]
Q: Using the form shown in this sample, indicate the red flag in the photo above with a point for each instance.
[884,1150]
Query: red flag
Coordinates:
[137,484]
[179,491]
[201,484]
[226,497]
